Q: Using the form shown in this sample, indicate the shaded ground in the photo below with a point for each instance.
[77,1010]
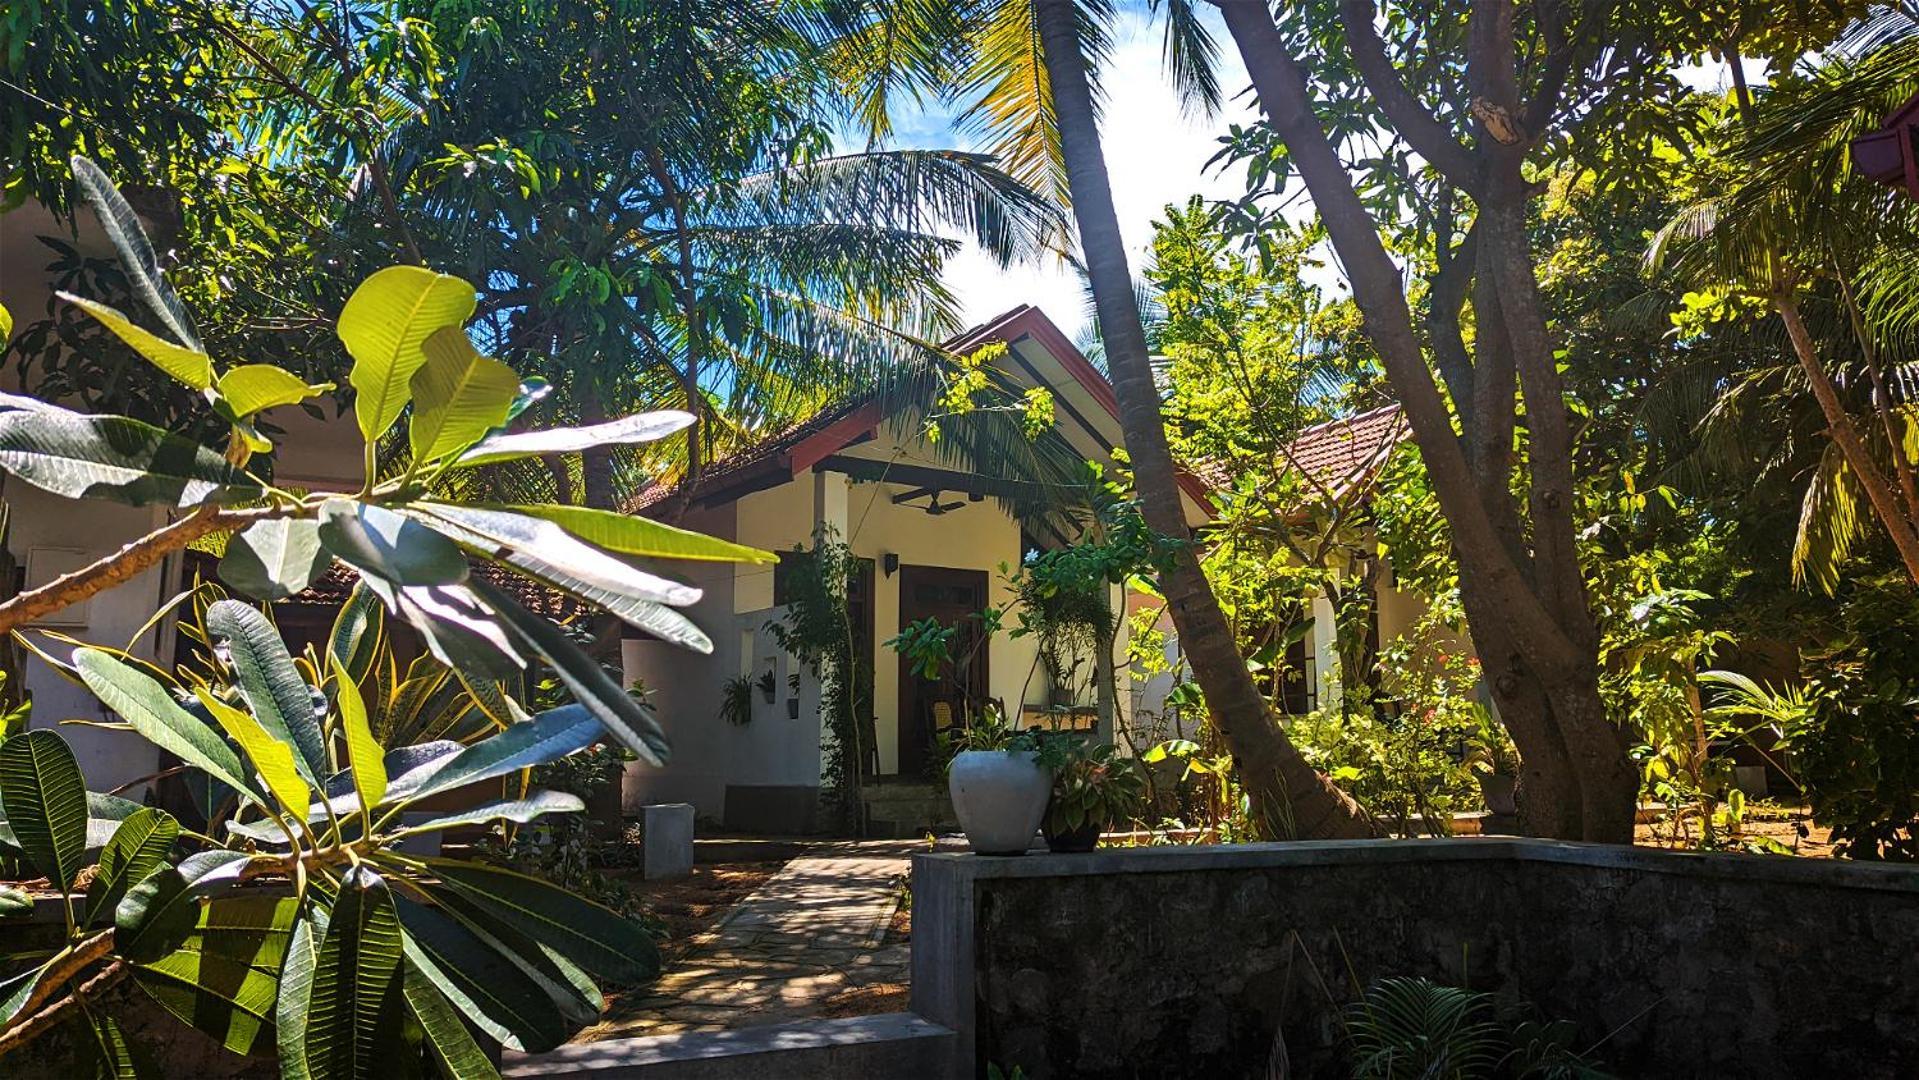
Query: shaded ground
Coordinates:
[692,905]
[1791,829]
[819,930]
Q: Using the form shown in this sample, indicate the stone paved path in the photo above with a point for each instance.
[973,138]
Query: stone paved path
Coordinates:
[816,928]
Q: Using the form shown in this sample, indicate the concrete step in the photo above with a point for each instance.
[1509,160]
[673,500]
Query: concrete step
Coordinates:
[888,1045]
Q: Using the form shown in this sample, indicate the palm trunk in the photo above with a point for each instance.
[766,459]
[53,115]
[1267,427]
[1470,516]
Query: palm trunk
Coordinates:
[1839,425]
[1290,798]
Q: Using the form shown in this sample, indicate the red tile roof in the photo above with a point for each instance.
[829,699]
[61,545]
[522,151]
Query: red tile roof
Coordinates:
[332,588]
[1338,454]
[802,445]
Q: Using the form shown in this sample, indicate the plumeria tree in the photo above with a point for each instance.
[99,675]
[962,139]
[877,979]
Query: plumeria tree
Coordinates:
[297,925]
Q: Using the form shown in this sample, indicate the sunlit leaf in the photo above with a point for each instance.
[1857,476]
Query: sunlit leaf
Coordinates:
[384,324]
[633,535]
[46,803]
[639,428]
[272,758]
[189,366]
[458,396]
[252,388]
[274,559]
[363,753]
[117,458]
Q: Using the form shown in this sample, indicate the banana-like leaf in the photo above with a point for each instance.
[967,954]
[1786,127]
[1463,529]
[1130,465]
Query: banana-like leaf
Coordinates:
[120,1057]
[549,736]
[537,804]
[550,554]
[16,989]
[482,983]
[447,1037]
[594,937]
[355,638]
[390,546]
[14,902]
[363,753]
[274,559]
[295,1002]
[104,815]
[276,695]
[222,997]
[145,704]
[458,396]
[160,912]
[138,849]
[566,985]
[46,803]
[385,324]
[628,720]
[630,535]
[136,253]
[353,1027]
[272,759]
[116,458]
[638,428]
[253,388]
[190,366]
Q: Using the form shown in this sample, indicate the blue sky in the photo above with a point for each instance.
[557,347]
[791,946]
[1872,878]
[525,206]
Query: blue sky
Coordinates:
[1154,154]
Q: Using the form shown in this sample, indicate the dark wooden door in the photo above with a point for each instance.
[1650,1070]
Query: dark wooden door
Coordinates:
[929,706]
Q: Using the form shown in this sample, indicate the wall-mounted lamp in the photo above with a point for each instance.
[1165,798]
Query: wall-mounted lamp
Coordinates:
[890,562]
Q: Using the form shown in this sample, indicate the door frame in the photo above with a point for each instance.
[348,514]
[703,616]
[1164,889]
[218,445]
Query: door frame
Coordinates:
[914,736]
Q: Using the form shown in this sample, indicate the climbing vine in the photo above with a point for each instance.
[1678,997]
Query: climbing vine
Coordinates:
[817,630]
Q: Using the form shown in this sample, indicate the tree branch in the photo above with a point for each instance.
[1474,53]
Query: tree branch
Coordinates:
[125,564]
[63,969]
[1421,129]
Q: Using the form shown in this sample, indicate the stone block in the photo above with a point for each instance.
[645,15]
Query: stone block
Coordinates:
[667,829]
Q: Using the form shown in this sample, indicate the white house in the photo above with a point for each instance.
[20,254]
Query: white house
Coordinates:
[938,538]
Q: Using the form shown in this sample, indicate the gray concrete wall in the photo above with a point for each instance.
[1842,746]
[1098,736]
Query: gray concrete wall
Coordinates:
[1189,961]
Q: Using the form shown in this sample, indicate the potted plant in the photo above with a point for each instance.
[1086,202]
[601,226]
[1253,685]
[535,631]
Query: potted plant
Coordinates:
[1092,791]
[999,784]
[1495,761]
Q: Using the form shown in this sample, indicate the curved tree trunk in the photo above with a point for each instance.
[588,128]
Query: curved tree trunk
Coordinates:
[1291,799]
[1526,605]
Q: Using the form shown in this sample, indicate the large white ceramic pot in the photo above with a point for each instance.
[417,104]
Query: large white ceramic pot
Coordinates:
[1000,797]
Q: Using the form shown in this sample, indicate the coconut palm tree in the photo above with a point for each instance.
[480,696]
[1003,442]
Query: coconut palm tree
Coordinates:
[648,196]
[1028,70]
[1790,224]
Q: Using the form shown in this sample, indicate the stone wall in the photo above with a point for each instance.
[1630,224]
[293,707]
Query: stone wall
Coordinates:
[1204,961]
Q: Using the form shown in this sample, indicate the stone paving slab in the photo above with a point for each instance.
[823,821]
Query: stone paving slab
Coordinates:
[811,931]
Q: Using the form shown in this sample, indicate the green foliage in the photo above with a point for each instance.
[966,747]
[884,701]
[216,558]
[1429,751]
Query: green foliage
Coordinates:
[817,630]
[282,913]
[1094,786]
[1856,752]
[1403,1028]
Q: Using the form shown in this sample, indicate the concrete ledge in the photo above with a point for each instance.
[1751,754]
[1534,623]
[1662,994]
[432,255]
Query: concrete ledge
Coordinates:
[1776,869]
[1681,964]
[890,1045]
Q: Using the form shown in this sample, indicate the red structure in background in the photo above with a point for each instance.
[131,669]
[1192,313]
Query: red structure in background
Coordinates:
[1891,154]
